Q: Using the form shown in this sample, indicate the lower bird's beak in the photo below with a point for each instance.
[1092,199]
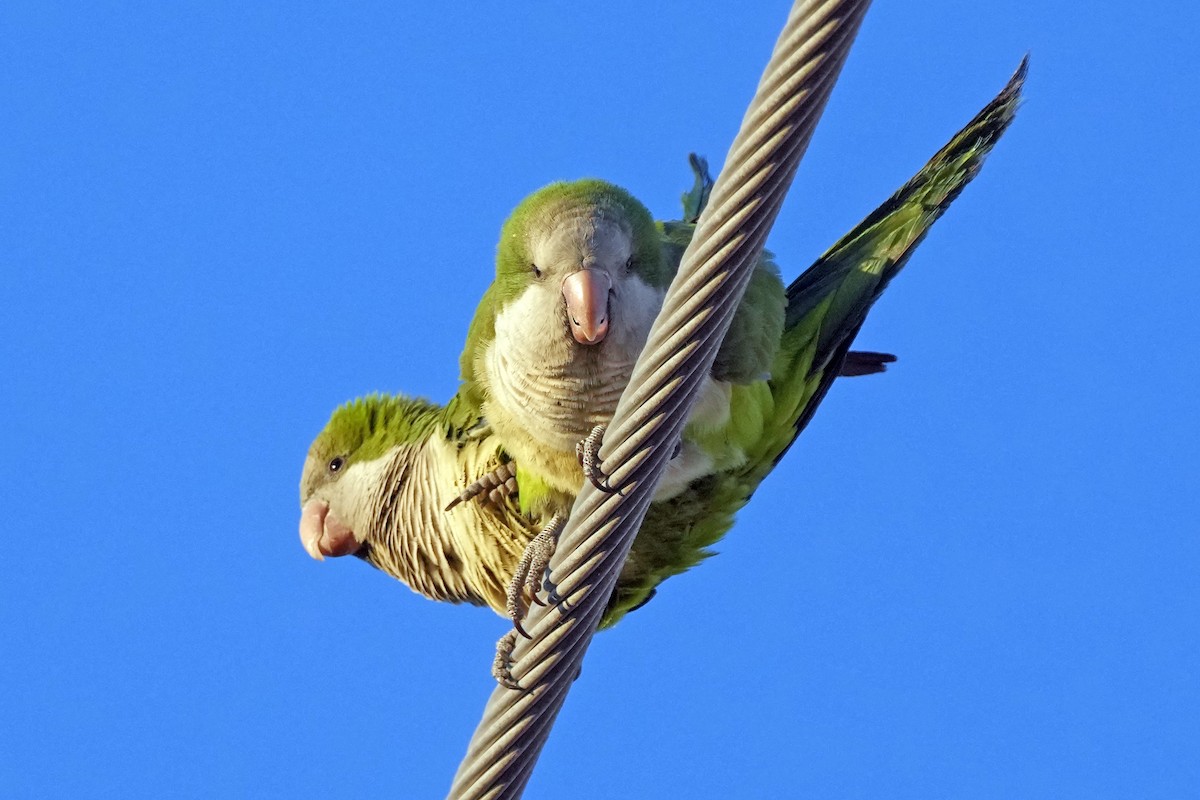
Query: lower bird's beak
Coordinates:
[323,534]
[586,292]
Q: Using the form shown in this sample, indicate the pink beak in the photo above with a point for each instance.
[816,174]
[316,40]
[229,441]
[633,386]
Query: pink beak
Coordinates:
[323,534]
[586,293]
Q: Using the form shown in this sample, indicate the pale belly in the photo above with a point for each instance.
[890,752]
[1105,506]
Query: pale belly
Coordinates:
[541,413]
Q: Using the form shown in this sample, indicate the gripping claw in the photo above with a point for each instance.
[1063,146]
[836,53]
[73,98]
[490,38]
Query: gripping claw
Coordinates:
[502,665]
[495,487]
[531,571]
[588,453]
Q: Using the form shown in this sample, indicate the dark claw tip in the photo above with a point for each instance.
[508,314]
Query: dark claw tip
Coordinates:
[520,630]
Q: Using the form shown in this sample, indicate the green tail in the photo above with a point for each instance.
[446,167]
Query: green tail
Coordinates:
[826,306]
[837,291]
[829,302]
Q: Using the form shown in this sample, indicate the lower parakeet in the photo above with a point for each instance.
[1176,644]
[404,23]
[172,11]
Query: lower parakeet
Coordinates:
[374,485]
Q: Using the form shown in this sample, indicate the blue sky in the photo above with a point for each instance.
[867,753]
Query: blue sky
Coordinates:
[975,576]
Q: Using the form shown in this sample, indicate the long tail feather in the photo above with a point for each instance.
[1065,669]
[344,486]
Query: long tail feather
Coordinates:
[829,302]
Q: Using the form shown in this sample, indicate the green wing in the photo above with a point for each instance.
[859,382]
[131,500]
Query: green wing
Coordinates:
[464,411]
[826,306]
[750,347]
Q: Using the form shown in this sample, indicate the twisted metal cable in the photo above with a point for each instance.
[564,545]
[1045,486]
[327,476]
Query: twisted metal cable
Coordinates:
[650,416]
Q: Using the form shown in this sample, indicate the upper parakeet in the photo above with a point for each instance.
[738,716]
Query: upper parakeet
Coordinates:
[581,270]
[581,273]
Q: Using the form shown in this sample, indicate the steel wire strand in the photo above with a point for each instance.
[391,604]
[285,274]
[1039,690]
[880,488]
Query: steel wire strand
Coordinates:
[651,413]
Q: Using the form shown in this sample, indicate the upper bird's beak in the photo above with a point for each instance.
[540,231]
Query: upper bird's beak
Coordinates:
[323,534]
[586,292]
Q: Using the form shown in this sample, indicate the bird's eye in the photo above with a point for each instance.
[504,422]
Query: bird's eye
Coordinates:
[336,464]
[537,273]
[629,264]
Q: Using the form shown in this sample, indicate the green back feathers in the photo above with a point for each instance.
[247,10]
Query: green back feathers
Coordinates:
[366,428]
[748,351]
[542,209]
[749,348]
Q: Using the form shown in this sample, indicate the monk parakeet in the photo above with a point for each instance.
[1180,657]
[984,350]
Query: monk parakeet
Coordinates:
[374,485]
[581,270]
[547,360]
[551,347]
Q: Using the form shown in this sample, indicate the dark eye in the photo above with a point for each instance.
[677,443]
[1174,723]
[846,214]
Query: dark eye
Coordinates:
[629,264]
[336,464]
[537,273]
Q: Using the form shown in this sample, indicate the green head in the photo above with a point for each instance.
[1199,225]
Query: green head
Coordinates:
[582,210]
[363,430]
[578,243]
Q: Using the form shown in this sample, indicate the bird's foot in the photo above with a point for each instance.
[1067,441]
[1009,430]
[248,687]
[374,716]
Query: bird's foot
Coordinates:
[531,571]
[502,665]
[495,487]
[588,453]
